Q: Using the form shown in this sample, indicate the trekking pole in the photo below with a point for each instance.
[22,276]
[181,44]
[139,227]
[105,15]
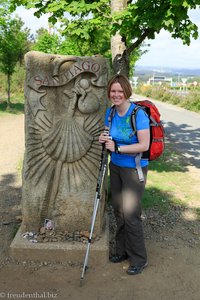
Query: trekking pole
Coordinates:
[102,171]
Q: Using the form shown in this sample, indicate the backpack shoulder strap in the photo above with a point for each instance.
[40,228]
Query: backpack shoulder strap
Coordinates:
[111,115]
[138,155]
[133,119]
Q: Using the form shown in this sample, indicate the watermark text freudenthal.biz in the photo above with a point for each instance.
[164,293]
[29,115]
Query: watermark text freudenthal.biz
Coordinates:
[23,295]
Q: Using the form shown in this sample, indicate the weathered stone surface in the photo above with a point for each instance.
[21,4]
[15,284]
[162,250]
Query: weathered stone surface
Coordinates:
[65,102]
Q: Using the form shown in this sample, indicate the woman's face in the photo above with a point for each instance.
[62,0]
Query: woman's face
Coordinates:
[117,96]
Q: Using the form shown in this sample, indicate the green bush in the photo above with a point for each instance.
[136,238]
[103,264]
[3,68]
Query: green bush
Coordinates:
[17,88]
[192,102]
[189,100]
[18,78]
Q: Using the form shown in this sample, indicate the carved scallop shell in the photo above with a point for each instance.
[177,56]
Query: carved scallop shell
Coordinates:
[67,141]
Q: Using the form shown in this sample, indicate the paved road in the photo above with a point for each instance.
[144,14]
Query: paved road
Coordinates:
[182,127]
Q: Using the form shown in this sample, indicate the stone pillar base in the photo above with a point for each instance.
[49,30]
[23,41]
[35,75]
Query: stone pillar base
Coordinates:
[23,249]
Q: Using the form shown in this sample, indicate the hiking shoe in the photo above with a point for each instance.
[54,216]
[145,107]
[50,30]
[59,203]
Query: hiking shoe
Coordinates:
[118,258]
[134,270]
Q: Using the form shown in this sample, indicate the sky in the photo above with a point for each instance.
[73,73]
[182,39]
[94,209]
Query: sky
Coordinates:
[164,51]
[30,21]
[168,52]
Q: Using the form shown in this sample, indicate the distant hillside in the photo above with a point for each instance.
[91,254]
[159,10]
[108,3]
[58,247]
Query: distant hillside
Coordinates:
[140,70]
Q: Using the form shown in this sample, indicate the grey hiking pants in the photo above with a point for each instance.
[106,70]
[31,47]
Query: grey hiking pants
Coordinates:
[127,192]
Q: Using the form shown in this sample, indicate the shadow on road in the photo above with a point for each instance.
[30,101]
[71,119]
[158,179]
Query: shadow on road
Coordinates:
[186,140]
[10,197]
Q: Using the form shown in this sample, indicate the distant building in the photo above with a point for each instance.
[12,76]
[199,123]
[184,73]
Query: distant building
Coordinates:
[159,80]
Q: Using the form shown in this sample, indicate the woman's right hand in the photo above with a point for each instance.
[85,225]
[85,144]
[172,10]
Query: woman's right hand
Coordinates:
[104,137]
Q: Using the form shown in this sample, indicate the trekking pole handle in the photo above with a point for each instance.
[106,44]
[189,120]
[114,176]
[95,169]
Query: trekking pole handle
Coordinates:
[106,132]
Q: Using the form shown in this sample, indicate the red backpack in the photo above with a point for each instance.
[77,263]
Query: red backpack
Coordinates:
[157,133]
[156,147]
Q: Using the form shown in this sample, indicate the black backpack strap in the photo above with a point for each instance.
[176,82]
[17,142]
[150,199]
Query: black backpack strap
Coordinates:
[111,115]
[133,119]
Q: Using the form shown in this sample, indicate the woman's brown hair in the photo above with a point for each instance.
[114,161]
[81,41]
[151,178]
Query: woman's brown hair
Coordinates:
[123,81]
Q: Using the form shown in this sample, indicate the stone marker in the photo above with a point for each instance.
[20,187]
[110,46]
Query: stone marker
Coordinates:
[65,103]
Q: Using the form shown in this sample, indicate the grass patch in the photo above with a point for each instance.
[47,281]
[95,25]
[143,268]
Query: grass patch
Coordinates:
[16,99]
[16,108]
[14,230]
[198,213]
[169,183]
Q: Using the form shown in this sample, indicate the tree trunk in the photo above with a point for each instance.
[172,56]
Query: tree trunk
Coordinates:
[9,82]
[120,64]
[120,58]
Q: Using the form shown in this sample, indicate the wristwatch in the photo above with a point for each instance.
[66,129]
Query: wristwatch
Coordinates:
[117,149]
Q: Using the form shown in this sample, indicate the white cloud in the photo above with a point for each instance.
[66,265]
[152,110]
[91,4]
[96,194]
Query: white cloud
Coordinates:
[165,51]
[168,52]
[30,21]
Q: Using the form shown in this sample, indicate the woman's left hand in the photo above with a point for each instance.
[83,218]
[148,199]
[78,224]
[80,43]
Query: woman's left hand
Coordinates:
[110,145]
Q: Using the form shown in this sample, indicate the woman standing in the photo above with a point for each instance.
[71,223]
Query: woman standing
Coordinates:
[126,188]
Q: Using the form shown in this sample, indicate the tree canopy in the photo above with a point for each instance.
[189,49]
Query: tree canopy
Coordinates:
[57,44]
[137,21]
